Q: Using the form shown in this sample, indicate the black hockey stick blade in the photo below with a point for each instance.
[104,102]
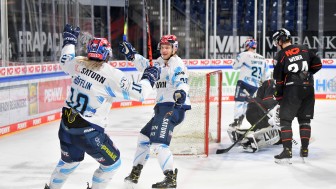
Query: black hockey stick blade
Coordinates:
[224,150]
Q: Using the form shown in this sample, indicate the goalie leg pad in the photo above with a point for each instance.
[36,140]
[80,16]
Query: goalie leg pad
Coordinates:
[232,134]
[261,138]
[267,136]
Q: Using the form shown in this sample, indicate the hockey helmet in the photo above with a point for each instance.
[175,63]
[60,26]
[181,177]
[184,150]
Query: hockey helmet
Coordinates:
[99,49]
[168,40]
[250,43]
[282,35]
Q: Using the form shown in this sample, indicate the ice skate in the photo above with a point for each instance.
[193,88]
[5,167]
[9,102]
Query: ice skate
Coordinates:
[88,186]
[237,122]
[284,156]
[304,154]
[169,182]
[133,177]
[46,186]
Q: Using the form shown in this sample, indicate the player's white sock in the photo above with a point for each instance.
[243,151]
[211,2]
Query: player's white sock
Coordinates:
[239,109]
[164,156]
[61,173]
[142,151]
[104,174]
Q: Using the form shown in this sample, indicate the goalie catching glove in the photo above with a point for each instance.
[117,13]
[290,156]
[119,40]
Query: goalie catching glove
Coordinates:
[179,97]
[70,35]
[128,50]
[152,74]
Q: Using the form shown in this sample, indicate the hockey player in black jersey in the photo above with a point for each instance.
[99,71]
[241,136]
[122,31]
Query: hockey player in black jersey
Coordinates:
[294,67]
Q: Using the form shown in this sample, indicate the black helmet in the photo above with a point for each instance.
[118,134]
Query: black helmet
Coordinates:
[282,34]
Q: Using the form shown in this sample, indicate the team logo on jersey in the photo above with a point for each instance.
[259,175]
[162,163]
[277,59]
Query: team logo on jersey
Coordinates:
[292,51]
[179,73]
[161,84]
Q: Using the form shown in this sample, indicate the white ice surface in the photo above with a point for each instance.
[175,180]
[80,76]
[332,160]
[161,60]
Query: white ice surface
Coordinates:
[28,158]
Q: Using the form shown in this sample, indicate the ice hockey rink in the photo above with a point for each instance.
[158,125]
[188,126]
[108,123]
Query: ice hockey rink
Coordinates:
[28,158]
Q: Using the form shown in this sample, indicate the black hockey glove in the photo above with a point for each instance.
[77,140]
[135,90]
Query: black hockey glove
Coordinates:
[70,35]
[128,50]
[152,74]
[278,94]
[179,97]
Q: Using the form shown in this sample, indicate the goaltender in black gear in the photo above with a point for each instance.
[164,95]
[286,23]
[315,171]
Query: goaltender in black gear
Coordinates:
[267,131]
[294,68]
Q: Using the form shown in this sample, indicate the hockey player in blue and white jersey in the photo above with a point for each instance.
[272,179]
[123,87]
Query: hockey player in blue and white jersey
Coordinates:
[172,101]
[94,85]
[253,71]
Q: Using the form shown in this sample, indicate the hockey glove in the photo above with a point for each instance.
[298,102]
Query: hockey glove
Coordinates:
[128,50]
[70,35]
[278,94]
[152,74]
[179,97]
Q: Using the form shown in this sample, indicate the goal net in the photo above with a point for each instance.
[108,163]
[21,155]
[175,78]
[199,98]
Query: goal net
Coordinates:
[202,124]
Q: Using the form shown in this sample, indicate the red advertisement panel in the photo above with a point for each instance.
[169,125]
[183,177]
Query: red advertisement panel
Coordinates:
[52,94]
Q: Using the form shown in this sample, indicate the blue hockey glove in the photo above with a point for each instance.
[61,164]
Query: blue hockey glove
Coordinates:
[128,50]
[70,35]
[152,74]
[179,97]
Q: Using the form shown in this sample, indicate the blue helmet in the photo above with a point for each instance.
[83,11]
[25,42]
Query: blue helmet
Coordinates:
[250,43]
[99,49]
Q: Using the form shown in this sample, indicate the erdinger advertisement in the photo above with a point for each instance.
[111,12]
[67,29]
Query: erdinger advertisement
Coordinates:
[39,100]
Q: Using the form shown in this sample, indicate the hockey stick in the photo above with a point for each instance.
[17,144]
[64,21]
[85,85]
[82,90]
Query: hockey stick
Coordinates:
[125,21]
[149,41]
[221,151]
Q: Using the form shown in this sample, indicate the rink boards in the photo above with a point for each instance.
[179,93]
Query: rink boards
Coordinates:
[34,94]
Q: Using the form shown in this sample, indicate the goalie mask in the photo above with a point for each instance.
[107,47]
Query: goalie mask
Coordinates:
[282,35]
[250,43]
[99,49]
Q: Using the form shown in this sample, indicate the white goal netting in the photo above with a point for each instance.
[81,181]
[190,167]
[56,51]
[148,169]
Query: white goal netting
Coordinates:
[191,136]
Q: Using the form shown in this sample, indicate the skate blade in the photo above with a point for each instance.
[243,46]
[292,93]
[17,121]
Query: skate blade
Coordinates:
[283,161]
[129,184]
[164,188]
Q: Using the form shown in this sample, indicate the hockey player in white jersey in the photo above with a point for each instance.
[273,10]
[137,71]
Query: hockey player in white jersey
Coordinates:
[253,71]
[171,103]
[94,85]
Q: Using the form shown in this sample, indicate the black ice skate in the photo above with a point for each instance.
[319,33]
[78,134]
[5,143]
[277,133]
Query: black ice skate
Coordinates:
[88,186]
[304,154]
[133,177]
[284,156]
[237,122]
[169,181]
[46,186]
